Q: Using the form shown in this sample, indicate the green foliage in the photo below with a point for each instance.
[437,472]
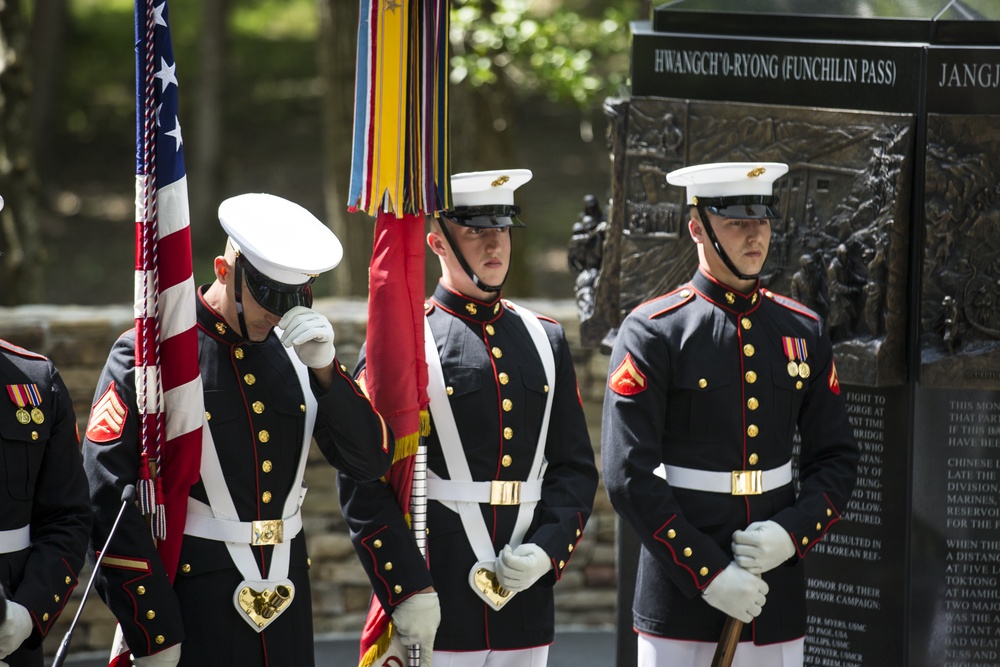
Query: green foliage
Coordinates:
[560,52]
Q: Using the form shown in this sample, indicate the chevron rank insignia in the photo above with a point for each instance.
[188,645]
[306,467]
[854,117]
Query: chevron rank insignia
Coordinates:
[833,382]
[627,379]
[107,417]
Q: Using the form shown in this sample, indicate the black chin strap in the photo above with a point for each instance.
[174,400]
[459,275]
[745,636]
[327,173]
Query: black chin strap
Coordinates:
[718,247]
[238,293]
[465,265]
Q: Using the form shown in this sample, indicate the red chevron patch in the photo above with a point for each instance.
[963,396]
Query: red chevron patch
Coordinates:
[627,379]
[107,417]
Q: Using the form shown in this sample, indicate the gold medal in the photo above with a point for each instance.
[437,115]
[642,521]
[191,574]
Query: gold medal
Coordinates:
[22,416]
[793,369]
[803,370]
[37,416]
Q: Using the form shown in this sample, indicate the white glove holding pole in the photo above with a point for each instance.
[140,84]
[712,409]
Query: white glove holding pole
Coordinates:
[519,567]
[168,657]
[311,334]
[763,546]
[737,593]
[15,629]
[416,619]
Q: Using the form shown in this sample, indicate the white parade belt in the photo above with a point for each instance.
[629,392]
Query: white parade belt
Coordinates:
[202,523]
[17,539]
[736,482]
[495,492]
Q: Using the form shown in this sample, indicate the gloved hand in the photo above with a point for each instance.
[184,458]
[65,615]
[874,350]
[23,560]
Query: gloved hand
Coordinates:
[416,619]
[15,629]
[737,593]
[168,657]
[763,546]
[311,334]
[518,568]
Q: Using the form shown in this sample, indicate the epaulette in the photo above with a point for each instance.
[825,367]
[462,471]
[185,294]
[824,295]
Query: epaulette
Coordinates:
[791,304]
[670,301]
[20,351]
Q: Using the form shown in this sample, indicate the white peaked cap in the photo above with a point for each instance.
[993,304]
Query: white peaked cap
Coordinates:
[487,188]
[279,238]
[728,179]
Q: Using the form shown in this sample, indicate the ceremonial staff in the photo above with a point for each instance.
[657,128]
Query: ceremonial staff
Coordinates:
[728,642]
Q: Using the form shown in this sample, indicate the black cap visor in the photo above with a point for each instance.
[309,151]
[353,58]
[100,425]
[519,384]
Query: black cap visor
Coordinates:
[273,296]
[743,207]
[485,217]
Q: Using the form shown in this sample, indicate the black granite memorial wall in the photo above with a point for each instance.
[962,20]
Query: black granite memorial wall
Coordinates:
[886,113]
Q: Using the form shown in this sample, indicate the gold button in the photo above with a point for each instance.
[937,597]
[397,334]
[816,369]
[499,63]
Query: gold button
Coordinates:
[819,526]
[266,466]
[508,405]
[34,435]
[687,552]
[752,430]
[798,384]
[685,293]
[496,308]
[570,548]
[302,407]
[703,571]
[186,568]
[545,389]
[249,378]
[748,350]
[45,616]
[258,407]
[377,544]
[829,512]
[508,433]
[745,323]
[753,459]
[562,564]
[702,382]
[142,589]
[671,533]
[506,461]
[264,436]
[266,497]
[387,566]
[578,532]
[471,308]
[343,368]
[753,403]
[730,298]
[56,598]
[751,377]
[67,580]
[151,614]
[504,378]
[497,352]
[309,562]
[208,415]
[805,541]
[220,327]
[238,353]
[397,589]
[490,330]
[160,639]
[450,390]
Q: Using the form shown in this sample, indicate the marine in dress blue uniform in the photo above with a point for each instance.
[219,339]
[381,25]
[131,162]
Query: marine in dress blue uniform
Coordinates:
[707,386]
[45,515]
[497,389]
[256,411]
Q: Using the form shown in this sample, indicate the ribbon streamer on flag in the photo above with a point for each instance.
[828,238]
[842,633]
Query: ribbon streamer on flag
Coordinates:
[168,382]
[400,171]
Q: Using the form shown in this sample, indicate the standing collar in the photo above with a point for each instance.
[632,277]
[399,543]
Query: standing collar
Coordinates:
[465,306]
[726,296]
[214,323]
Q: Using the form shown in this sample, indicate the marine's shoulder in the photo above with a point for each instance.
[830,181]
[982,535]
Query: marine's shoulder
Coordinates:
[10,350]
[791,305]
[668,303]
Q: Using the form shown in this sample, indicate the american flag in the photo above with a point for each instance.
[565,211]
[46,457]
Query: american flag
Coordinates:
[168,383]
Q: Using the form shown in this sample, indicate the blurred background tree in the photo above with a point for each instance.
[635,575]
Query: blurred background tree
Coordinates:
[267,89]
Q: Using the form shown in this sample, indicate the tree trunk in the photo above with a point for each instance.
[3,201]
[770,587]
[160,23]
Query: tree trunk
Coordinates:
[337,52]
[48,38]
[205,184]
[21,274]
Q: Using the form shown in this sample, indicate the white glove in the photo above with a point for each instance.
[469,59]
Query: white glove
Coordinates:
[15,629]
[763,546]
[737,593]
[311,334]
[168,657]
[416,619]
[518,568]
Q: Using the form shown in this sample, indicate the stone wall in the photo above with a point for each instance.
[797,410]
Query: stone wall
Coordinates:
[77,339]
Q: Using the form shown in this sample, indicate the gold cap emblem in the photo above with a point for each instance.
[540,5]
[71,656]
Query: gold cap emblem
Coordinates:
[499,181]
[754,173]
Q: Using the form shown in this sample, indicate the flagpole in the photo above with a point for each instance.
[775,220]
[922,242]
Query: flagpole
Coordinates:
[418,516]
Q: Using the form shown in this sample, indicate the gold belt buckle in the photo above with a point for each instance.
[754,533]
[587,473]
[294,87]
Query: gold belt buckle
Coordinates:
[268,533]
[505,493]
[748,482]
